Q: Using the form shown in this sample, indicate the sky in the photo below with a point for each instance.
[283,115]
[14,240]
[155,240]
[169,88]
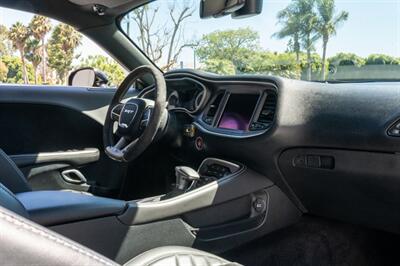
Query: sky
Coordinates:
[373,27]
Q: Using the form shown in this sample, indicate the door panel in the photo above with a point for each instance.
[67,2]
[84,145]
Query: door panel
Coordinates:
[48,130]
[57,170]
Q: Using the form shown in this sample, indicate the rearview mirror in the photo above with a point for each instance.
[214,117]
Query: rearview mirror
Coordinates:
[87,77]
[235,8]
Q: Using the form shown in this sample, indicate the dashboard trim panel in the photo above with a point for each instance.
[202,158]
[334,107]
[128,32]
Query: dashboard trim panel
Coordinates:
[215,130]
[200,105]
[231,134]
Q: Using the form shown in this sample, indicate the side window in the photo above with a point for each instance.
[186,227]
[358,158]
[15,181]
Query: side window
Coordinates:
[39,50]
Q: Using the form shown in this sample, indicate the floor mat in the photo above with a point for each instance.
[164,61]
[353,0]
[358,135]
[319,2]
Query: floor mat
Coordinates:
[316,241]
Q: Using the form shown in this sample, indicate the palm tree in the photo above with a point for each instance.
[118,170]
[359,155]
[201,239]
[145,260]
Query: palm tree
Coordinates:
[291,27]
[309,35]
[61,49]
[328,22]
[18,35]
[39,27]
[33,54]
[299,23]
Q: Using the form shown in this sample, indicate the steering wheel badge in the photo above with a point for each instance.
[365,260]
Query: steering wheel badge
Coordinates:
[128,114]
[131,117]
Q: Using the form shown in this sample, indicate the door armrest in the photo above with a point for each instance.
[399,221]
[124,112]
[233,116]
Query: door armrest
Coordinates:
[59,207]
[75,157]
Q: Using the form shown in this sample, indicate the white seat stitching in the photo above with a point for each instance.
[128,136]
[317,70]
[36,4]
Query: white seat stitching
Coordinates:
[22,224]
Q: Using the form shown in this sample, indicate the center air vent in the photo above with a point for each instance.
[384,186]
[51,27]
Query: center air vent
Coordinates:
[208,118]
[267,114]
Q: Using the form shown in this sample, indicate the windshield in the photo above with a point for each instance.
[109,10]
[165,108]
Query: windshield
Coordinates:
[316,40]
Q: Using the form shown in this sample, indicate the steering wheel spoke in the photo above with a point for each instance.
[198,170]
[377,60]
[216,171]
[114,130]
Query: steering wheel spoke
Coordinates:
[145,119]
[116,152]
[116,112]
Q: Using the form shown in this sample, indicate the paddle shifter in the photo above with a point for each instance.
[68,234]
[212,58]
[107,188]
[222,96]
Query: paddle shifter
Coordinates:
[186,178]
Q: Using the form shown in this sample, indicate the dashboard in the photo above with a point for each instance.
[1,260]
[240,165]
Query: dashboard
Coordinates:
[232,109]
[315,141]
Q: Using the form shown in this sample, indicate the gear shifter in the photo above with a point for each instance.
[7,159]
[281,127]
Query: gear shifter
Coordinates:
[186,177]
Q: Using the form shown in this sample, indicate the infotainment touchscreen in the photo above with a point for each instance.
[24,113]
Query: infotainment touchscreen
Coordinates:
[238,111]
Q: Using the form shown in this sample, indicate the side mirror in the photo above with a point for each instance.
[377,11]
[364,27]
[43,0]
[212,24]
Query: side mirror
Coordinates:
[87,77]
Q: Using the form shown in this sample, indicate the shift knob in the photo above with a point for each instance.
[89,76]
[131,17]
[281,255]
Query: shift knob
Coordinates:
[185,176]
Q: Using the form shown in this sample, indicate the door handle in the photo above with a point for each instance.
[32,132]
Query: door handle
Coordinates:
[73,176]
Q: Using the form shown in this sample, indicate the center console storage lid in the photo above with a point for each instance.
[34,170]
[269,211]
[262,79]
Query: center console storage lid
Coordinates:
[59,207]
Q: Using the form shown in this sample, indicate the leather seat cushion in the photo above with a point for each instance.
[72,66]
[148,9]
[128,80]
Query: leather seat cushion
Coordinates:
[177,256]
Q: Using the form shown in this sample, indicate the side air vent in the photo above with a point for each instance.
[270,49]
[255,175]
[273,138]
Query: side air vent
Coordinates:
[267,114]
[208,118]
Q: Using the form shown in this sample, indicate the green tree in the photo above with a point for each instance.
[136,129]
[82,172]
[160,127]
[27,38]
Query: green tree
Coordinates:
[283,64]
[18,34]
[289,18]
[113,70]
[5,47]
[40,26]
[14,67]
[230,45]
[268,63]
[381,59]
[3,71]
[33,54]
[328,22]
[346,59]
[219,66]
[315,68]
[61,49]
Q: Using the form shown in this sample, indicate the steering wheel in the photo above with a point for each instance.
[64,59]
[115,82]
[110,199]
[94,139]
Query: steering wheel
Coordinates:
[138,119]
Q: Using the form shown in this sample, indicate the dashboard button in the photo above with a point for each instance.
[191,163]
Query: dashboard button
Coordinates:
[189,130]
[259,205]
[208,120]
[199,143]
[313,161]
[299,161]
[257,126]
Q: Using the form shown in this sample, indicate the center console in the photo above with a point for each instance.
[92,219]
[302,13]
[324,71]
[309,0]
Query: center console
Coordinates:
[220,205]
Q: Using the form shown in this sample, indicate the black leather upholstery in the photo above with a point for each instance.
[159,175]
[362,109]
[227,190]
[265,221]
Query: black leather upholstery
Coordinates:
[177,256]
[9,201]
[10,175]
[67,206]
[24,242]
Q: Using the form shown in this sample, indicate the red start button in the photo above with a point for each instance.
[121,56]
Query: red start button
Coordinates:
[199,143]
